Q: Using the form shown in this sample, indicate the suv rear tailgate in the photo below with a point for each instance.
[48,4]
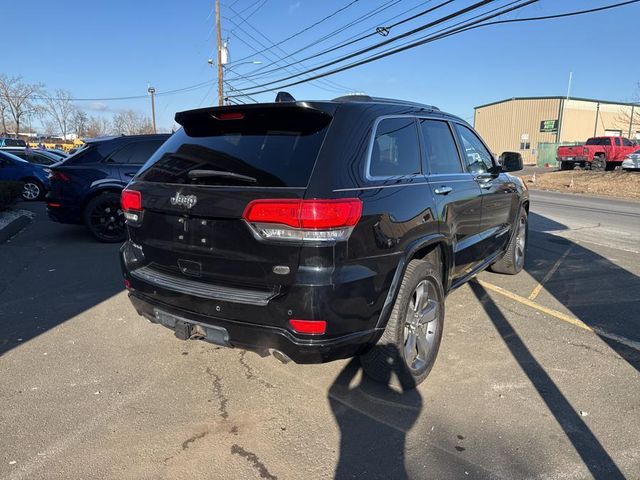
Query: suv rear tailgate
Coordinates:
[192,224]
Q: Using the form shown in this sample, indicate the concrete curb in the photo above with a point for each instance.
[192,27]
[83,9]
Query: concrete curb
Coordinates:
[13,227]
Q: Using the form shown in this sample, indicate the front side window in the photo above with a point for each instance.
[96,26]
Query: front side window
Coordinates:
[477,157]
[395,151]
[440,148]
[627,143]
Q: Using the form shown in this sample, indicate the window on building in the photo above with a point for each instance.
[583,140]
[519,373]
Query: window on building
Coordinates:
[395,149]
[525,145]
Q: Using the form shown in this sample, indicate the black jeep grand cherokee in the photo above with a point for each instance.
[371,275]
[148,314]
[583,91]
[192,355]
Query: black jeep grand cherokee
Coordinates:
[320,230]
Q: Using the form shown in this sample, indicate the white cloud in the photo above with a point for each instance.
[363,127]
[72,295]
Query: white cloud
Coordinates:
[97,106]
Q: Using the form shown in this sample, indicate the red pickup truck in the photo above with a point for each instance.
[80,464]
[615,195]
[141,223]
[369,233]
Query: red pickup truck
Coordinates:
[598,153]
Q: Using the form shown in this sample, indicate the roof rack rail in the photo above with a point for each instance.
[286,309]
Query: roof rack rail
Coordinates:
[367,98]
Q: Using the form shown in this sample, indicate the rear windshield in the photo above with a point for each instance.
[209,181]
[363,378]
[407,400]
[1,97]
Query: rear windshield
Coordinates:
[599,141]
[259,152]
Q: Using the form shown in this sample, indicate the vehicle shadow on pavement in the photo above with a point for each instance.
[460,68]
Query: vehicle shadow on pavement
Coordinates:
[374,419]
[603,295]
[50,273]
[589,286]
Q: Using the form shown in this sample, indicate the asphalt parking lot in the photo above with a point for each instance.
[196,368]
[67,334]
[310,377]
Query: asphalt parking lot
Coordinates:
[537,376]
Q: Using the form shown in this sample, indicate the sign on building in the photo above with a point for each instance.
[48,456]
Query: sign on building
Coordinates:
[549,126]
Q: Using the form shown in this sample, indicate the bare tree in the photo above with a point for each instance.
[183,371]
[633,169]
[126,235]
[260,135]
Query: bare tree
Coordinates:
[628,119]
[19,97]
[130,122]
[97,127]
[60,108]
[79,122]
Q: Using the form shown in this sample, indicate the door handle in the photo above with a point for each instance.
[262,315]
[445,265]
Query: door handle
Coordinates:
[443,190]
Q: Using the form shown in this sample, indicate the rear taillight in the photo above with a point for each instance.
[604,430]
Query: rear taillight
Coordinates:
[58,176]
[229,116]
[303,220]
[309,327]
[131,202]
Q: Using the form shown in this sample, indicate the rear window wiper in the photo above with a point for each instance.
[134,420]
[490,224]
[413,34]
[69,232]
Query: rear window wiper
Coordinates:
[220,173]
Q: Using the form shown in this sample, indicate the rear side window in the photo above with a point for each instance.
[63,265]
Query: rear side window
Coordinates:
[599,141]
[618,142]
[627,143]
[264,148]
[439,147]
[136,153]
[395,150]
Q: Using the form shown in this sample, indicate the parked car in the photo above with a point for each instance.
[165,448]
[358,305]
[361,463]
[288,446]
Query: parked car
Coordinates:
[58,152]
[34,177]
[632,161]
[598,153]
[12,142]
[85,187]
[33,155]
[320,230]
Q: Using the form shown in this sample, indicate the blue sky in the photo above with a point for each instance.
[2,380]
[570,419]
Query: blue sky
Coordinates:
[115,48]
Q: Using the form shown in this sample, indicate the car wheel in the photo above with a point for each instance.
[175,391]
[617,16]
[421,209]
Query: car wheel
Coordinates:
[598,163]
[513,260]
[567,166]
[407,350]
[104,218]
[32,190]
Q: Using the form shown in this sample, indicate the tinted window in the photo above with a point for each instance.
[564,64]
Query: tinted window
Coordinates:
[618,142]
[478,158]
[136,153]
[439,147]
[395,150]
[42,159]
[627,143]
[599,141]
[124,155]
[276,151]
[11,142]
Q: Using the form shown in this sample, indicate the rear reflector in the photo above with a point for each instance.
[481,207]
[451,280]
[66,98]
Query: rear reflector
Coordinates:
[53,205]
[303,220]
[310,327]
[58,176]
[127,284]
[131,200]
[229,116]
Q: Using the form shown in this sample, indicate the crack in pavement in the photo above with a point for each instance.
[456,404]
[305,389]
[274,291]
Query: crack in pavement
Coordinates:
[218,394]
[254,460]
[248,371]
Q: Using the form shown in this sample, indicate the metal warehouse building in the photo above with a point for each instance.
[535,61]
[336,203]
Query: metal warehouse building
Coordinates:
[535,126]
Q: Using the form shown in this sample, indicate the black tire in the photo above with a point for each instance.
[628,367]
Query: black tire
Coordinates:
[32,190]
[567,166]
[389,360]
[104,218]
[599,163]
[512,262]
[609,166]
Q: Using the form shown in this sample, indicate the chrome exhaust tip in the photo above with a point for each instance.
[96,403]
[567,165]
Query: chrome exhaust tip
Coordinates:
[282,357]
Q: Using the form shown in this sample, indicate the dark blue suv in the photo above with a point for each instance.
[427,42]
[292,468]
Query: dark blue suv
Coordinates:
[33,177]
[85,187]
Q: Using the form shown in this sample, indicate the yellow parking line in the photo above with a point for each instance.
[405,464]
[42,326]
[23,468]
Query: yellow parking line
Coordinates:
[536,291]
[560,316]
[541,308]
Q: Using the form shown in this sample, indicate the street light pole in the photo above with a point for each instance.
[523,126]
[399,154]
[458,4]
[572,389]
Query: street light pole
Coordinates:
[152,92]
[219,44]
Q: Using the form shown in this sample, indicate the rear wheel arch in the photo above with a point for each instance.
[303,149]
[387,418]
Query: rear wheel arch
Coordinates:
[100,191]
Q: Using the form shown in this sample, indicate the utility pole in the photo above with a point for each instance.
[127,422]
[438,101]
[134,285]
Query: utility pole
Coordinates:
[219,49]
[152,91]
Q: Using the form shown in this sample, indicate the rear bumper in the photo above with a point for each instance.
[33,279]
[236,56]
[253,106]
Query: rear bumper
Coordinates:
[576,159]
[262,338]
[63,213]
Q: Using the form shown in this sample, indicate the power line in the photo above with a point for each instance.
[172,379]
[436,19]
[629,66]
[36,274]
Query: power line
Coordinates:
[464,28]
[369,35]
[393,39]
[307,28]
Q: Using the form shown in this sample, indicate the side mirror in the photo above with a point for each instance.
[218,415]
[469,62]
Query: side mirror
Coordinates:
[511,162]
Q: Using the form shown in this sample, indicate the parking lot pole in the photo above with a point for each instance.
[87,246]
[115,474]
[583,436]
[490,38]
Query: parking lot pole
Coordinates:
[219,45]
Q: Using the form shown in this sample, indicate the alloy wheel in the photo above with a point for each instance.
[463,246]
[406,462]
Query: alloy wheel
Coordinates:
[420,326]
[107,219]
[521,240]
[30,191]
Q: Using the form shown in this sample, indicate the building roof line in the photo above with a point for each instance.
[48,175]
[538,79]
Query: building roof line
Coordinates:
[593,100]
